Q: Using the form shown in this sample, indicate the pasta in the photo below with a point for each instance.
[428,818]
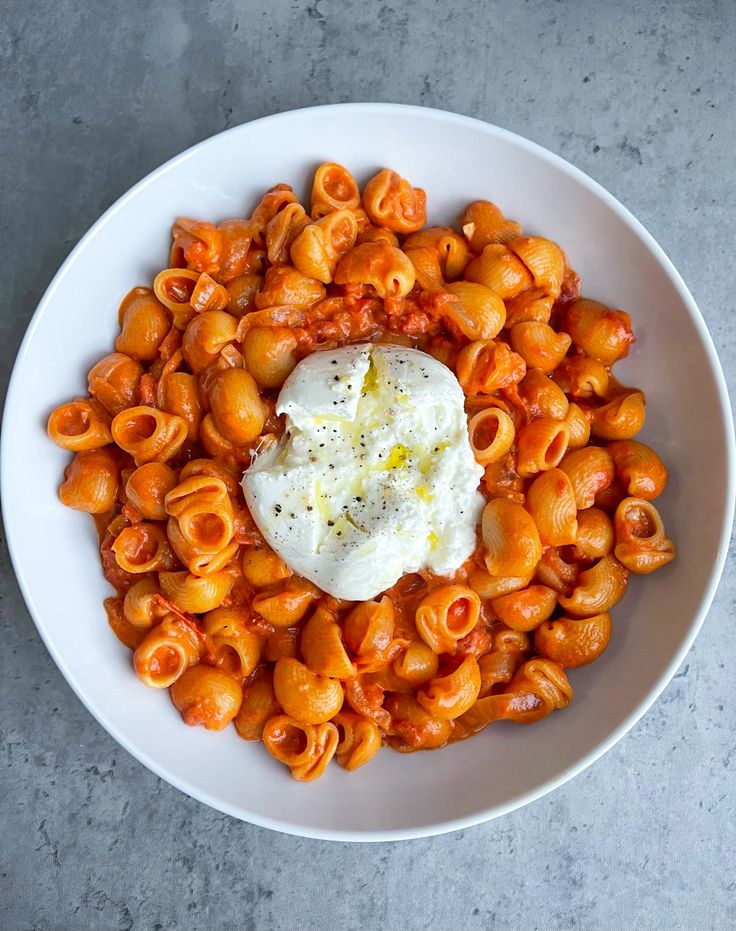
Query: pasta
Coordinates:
[80,425]
[206,695]
[176,412]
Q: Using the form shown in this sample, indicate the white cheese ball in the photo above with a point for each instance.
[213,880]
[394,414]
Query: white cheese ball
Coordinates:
[374,476]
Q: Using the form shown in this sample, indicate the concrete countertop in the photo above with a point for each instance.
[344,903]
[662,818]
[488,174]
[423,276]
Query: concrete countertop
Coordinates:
[92,97]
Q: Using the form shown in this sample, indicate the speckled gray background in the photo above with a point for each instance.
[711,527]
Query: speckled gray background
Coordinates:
[639,95]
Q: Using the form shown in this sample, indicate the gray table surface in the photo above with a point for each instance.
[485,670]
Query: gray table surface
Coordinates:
[92,97]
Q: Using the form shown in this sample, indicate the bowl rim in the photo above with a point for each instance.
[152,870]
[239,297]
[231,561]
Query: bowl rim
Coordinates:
[431,829]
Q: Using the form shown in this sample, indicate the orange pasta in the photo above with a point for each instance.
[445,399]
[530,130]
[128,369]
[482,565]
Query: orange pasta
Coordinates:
[237,409]
[206,695]
[144,547]
[143,325]
[599,332]
[115,382]
[80,425]
[368,632]
[511,539]
[484,225]
[450,696]
[178,411]
[270,354]
[147,488]
[258,705]
[320,245]
[141,605]
[551,503]
[639,468]
[305,748]
[573,642]
[359,740]
[447,615]
[166,652]
[282,230]
[484,367]
[333,188]
[91,481]
[390,201]
[149,435]
[641,543]
[382,266]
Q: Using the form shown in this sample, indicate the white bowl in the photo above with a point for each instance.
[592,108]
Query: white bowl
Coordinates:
[457,160]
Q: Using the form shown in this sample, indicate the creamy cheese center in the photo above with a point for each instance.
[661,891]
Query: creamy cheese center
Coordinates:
[374,476]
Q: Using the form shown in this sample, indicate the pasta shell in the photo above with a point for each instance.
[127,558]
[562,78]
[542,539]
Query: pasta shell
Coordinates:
[148,434]
[305,749]
[258,705]
[90,482]
[598,331]
[194,594]
[597,589]
[282,230]
[387,269]
[639,468]
[115,382]
[427,269]
[143,547]
[498,427]
[359,740]
[147,488]
[544,398]
[620,419]
[80,425]
[165,653]
[208,696]
[417,664]
[573,642]
[551,502]
[484,224]
[322,646]
[595,534]
[590,471]
[319,246]
[526,609]
[511,539]
[544,259]
[447,615]
[641,543]
[140,605]
[305,695]
[391,201]
[333,188]
[286,606]
[499,269]
[452,695]
[539,345]
[144,324]
[414,727]
[478,313]
[540,446]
